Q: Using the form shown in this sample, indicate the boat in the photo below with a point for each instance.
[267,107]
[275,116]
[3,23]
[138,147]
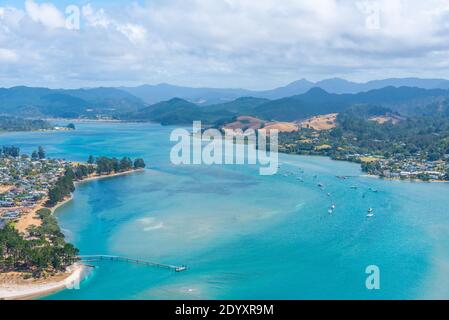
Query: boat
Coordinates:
[354,187]
[320,185]
[181,269]
[330,211]
[333,206]
[370,215]
[370,210]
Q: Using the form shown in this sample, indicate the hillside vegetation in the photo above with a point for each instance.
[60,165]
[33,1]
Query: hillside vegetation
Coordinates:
[88,103]
[18,124]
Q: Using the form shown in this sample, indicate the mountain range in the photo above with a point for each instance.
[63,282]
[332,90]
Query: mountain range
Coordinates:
[206,96]
[406,101]
[295,101]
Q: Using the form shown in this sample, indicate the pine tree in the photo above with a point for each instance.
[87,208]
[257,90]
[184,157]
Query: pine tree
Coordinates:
[41,152]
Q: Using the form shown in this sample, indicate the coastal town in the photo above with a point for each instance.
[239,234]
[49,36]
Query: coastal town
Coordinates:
[384,158]
[405,169]
[35,257]
[25,181]
[30,182]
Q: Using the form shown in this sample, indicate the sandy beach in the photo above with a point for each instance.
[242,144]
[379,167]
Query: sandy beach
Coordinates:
[97,177]
[30,216]
[14,287]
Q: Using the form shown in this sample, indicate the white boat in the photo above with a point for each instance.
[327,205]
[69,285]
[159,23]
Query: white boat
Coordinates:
[330,211]
[370,215]
[370,210]
[333,207]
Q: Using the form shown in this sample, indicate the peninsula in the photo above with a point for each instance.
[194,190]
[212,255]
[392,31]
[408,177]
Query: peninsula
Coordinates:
[35,258]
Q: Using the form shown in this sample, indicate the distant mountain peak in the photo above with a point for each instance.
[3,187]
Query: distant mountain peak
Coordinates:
[177,100]
[317,91]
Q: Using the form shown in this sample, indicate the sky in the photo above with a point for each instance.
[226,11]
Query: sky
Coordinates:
[219,43]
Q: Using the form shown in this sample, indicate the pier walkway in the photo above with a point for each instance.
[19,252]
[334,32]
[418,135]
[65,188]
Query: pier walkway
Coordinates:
[95,258]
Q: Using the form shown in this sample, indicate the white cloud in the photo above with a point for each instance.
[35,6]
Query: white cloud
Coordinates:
[95,18]
[45,13]
[134,33]
[7,55]
[227,42]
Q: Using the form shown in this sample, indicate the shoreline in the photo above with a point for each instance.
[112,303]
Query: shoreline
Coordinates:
[96,177]
[81,120]
[365,174]
[28,291]
[13,291]
[374,176]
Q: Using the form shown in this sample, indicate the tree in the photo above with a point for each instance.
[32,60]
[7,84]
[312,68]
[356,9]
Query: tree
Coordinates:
[126,164]
[11,151]
[63,187]
[337,133]
[104,165]
[139,163]
[81,172]
[91,159]
[115,164]
[34,156]
[54,196]
[41,152]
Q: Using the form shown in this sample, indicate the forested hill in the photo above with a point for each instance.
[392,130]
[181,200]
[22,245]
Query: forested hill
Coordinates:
[152,94]
[177,111]
[88,103]
[404,100]
[29,102]
[18,124]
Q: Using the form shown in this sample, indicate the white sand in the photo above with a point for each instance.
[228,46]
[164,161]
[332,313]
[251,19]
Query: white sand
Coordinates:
[30,291]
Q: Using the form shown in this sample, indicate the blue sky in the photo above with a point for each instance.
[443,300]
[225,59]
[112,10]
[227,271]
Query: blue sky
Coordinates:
[220,43]
[64,3]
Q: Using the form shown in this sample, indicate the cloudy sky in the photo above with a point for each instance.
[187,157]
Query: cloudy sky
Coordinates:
[219,43]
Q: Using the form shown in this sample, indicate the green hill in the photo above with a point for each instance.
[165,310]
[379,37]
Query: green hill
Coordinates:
[42,102]
[176,111]
[406,100]
[17,124]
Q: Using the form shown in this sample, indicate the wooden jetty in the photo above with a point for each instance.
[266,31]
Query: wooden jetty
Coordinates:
[94,258]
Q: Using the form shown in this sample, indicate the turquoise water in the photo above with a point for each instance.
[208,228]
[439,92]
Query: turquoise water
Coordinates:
[246,236]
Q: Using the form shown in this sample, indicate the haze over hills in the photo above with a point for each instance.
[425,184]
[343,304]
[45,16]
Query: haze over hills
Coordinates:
[206,96]
[43,102]
[317,101]
[403,100]
[118,103]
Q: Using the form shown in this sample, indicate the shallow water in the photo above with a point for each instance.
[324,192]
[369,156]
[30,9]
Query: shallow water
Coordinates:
[246,236]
